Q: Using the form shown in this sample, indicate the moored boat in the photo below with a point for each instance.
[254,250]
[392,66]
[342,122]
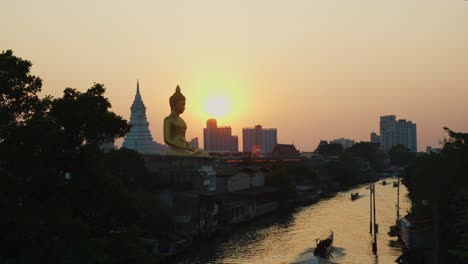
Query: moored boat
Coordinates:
[324,246]
[354,196]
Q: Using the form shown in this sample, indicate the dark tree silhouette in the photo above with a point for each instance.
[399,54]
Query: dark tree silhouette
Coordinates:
[63,200]
[18,91]
[86,118]
[400,155]
[332,149]
[440,180]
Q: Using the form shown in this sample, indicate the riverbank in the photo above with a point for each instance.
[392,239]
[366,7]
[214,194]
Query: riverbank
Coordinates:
[300,200]
[208,197]
[289,237]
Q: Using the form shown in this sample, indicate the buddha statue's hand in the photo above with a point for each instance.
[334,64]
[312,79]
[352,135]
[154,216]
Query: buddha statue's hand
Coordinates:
[199,153]
[196,151]
[189,147]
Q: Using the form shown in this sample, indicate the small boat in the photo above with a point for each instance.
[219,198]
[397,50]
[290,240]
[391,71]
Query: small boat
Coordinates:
[395,184]
[354,196]
[324,246]
[384,183]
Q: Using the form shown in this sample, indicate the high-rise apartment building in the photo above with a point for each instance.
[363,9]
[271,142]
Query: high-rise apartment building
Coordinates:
[259,140]
[405,134]
[394,132]
[387,131]
[219,139]
[235,143]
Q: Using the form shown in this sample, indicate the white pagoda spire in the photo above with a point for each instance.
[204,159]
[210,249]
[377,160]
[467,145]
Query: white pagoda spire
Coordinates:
[138,89]
[139,138]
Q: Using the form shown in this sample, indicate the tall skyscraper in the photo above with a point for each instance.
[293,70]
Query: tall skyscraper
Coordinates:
[259,140]
[139,137]
[393,132]
[387,131]
[405,134]
[219,139]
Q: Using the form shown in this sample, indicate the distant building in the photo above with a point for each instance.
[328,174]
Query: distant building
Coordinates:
[139,138]
[374,137]
[194,142]
[321,144]
[259,140]
[344,142]
[285,151]
[234,144]
[231,179]
[406,134]
[219,139]
[387,131]
[393,132]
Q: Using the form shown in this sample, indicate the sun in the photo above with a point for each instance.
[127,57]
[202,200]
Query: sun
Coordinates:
[217,106]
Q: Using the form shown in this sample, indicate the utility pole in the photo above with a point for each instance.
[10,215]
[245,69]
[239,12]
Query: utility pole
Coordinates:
[374,245]
[398,198]
[370,208]
[436,233]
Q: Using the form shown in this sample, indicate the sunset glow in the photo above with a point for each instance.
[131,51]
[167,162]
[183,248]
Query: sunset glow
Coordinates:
[210,131]
[218,106]
[315,70]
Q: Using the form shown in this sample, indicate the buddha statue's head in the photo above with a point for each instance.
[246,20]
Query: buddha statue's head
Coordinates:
[177,101]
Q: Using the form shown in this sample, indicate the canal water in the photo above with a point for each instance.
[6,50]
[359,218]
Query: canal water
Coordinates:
[290,237]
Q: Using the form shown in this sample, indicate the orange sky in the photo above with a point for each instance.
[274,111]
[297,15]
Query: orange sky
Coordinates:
[313,69]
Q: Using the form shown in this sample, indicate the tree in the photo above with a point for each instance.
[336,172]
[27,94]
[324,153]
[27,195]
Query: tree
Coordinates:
[368,151]
[283,180]
[332,149]
[400,155]
[86,118]
[441,181]
[18,92]
[63,200]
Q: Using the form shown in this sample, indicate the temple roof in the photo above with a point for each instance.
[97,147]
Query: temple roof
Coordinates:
[285,151]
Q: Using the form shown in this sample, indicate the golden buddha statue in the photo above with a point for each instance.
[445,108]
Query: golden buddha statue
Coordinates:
[175,127]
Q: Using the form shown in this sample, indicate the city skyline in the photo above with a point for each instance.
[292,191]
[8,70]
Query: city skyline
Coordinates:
[313,69]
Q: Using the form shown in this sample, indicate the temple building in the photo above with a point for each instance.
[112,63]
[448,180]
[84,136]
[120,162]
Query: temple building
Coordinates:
[139,138]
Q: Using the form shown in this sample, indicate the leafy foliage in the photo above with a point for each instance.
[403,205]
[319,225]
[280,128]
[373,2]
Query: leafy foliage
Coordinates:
[400,155]
[281,178]
[85,116]
[63,200]
[370,152]
[332,149]
[18,91]
[441,181]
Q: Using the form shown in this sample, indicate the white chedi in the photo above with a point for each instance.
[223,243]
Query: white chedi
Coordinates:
[139,137]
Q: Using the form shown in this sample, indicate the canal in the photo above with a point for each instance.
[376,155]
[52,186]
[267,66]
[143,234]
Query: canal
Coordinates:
[290,237]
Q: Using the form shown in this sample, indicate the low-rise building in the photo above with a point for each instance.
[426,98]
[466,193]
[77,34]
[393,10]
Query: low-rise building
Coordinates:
[285,151]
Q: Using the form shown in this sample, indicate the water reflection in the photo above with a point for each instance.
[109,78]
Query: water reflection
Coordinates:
[290,237]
